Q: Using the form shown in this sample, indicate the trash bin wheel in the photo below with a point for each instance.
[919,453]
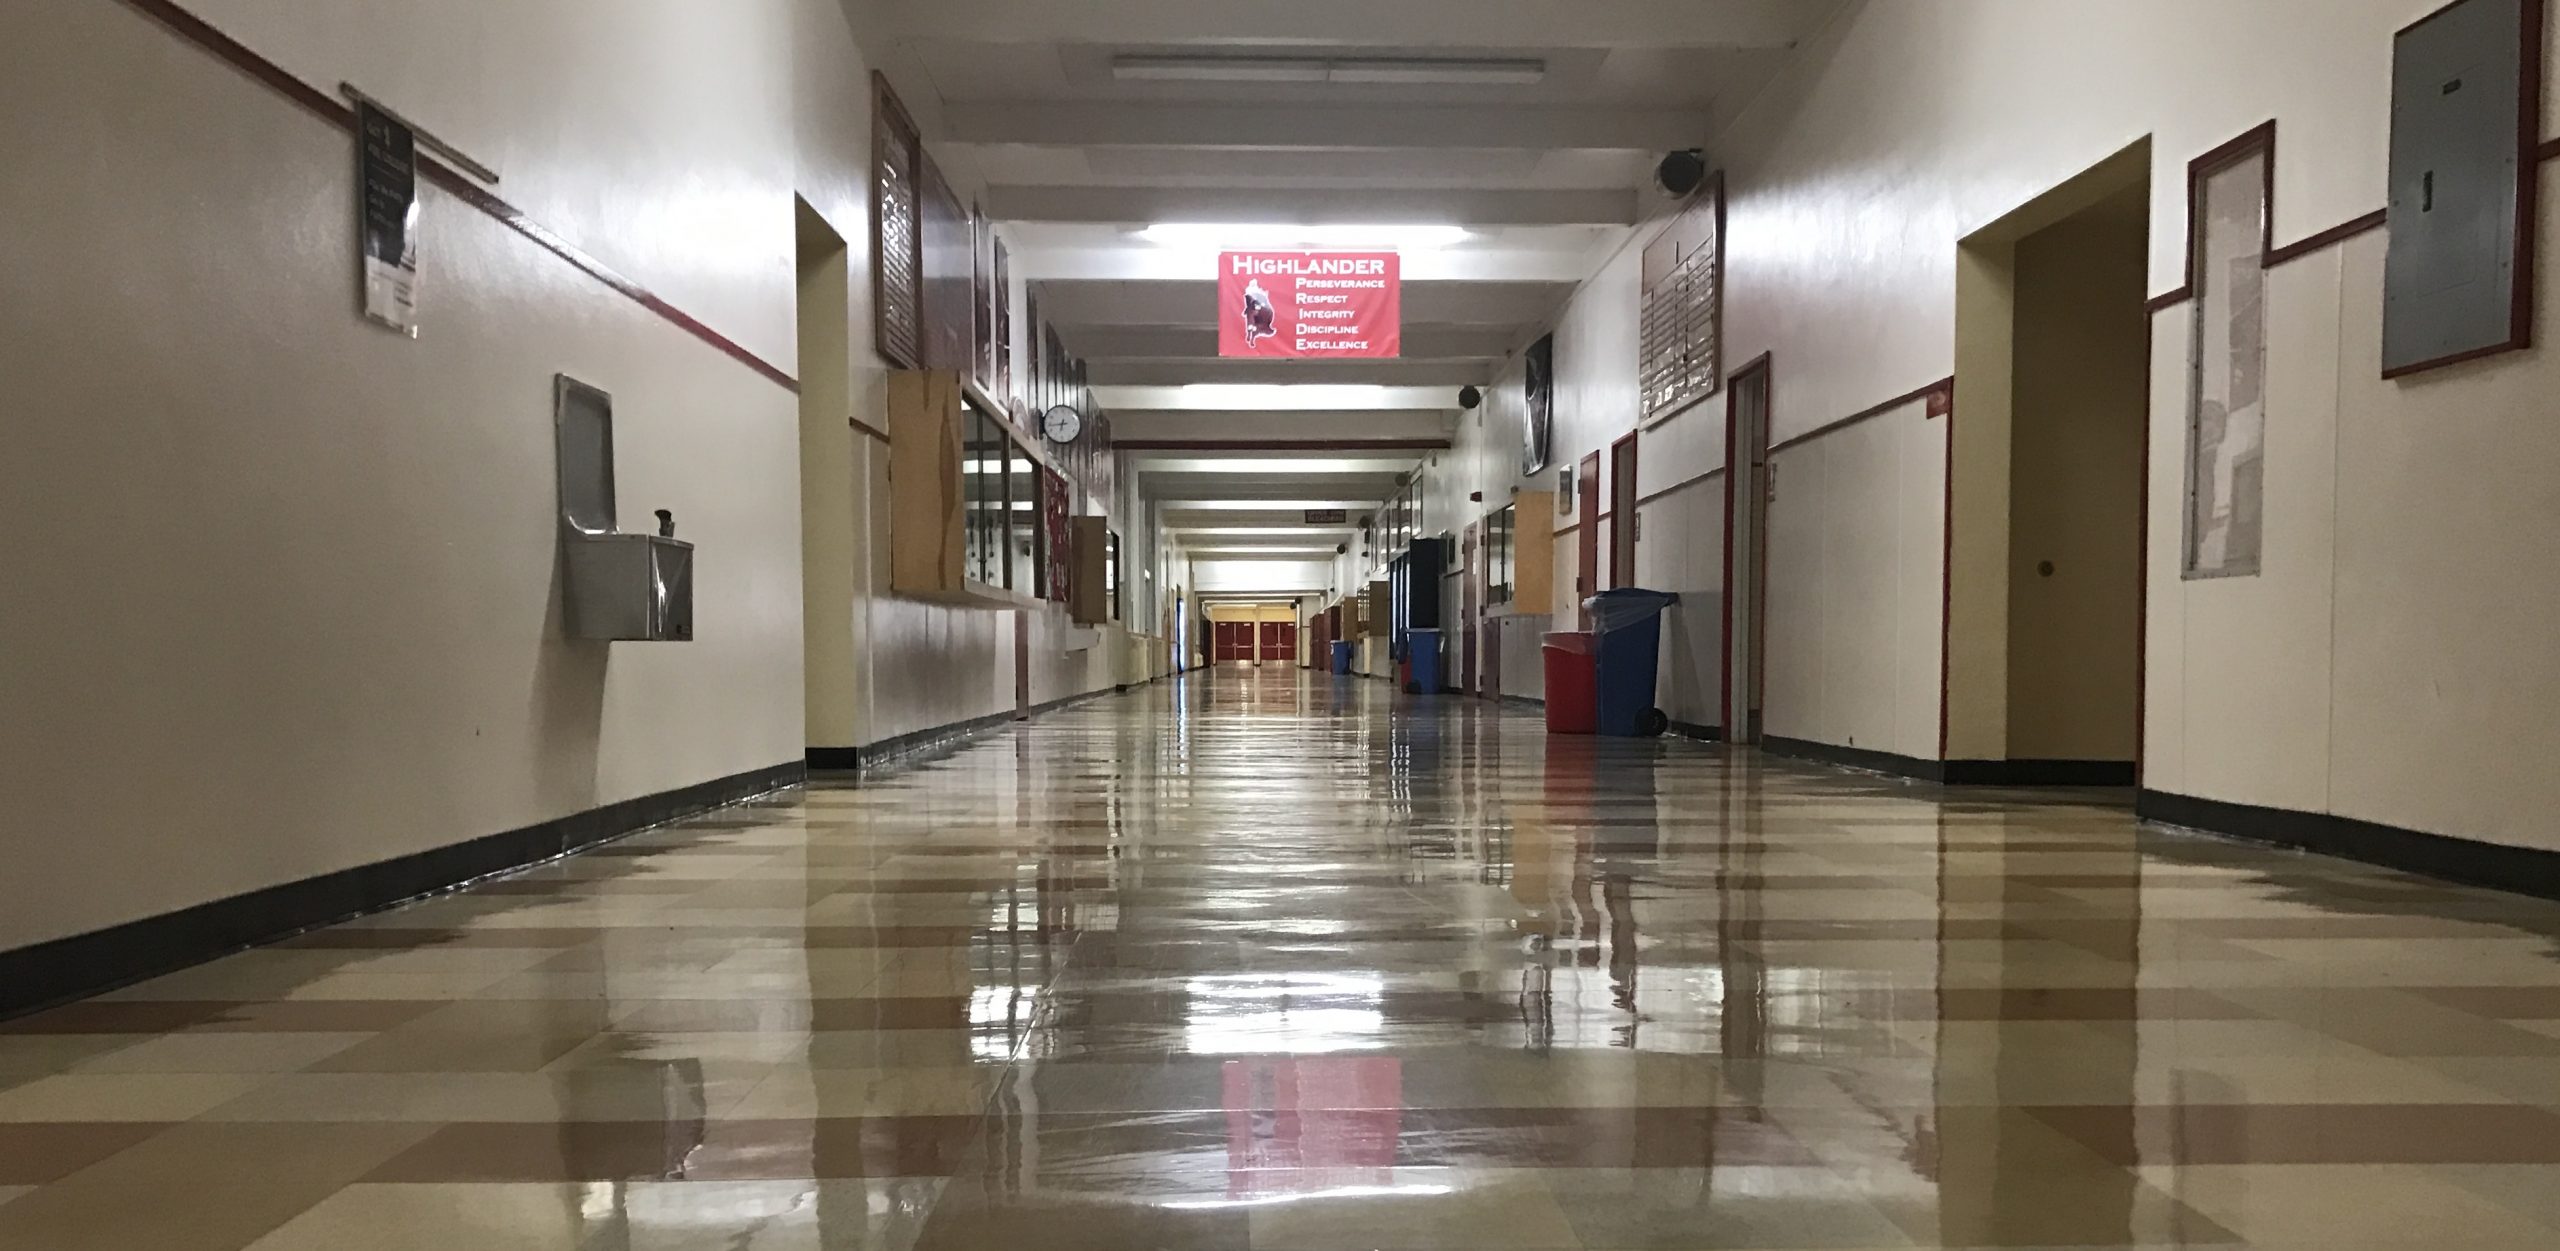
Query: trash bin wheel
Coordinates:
[1656,723]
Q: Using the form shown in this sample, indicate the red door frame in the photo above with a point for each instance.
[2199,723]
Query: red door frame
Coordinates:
[1733,460]
[1586,545]
[1623,525]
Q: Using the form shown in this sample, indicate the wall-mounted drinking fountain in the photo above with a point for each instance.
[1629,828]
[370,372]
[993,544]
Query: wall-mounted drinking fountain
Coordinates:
[619,586]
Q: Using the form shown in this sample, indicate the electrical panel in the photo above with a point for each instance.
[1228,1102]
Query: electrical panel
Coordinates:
[2456,285]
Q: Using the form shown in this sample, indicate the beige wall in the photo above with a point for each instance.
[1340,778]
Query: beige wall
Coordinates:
[2390,664]
[288,601]
[2075,487]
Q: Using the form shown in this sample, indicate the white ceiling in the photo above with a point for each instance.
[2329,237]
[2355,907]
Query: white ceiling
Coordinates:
[1036,108]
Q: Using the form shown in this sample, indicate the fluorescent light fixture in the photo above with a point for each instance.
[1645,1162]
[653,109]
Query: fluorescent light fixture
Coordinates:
[1358,71]
[1217,69]
[1439,72]
[1282,396]
[1290,553]
[1397,236]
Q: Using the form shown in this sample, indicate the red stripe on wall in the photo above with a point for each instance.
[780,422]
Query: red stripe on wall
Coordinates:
[240,56]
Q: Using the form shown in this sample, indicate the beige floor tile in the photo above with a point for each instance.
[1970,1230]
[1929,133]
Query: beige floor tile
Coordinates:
[25,1056]
[482,1217]
[1406,1210]
[124,1096]
[201,1186]
[2384,1206]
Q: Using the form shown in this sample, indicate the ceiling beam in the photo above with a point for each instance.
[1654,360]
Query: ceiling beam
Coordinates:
[1258,443]
[1448,375]
[1490,24]
[1082,125]
[1421,342]
[1139,206]
[1070,305]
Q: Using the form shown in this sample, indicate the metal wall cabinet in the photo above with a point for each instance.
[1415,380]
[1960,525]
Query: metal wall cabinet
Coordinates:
[2465,123]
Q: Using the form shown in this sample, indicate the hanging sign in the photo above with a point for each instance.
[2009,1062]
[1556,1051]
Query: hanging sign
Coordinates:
[387,221]
[1310,305]
[1328,516]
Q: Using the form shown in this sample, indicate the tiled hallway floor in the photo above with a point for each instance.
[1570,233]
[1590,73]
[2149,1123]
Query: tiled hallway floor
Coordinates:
[1275,963]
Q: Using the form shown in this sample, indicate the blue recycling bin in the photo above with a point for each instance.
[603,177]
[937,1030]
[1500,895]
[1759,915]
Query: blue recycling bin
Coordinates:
[1342,657]
[1629,623]
[1423,654]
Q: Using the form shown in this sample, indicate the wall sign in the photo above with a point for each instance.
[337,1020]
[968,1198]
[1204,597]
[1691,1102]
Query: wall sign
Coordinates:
[1310,305]
[387,217]
[1328,517]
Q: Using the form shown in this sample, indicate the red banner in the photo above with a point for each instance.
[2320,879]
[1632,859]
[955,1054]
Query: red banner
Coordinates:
[1310,305]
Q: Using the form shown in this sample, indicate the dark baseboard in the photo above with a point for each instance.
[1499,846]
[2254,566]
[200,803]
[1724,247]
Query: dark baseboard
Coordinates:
[1523,701]
[1702,733]
[1856,758]
[1959,772]
[32,978]
[2039,773]
[2520,870]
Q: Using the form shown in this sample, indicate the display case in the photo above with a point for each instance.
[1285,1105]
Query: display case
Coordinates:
[1523,556]
[966,523]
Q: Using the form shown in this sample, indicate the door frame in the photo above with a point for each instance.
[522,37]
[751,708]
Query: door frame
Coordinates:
[1586,544]
[1624,529]
[1738,462]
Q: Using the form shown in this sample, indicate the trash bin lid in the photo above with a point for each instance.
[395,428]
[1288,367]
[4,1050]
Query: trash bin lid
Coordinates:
[1626,606]
[1573,642]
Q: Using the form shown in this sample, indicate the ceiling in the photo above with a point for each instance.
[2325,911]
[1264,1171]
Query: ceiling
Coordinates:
[1532,124]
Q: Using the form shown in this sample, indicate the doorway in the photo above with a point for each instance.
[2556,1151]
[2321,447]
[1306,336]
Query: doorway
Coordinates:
[2045,487]
[833,459]
[1746,551]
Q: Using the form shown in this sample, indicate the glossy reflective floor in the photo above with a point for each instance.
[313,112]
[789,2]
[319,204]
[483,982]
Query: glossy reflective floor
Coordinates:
[1278,962]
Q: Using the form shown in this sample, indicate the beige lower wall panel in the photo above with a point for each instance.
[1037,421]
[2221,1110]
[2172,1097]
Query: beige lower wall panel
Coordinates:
[2448,584]
[2164,636]
[1523,639]
[1854,593]
[305,567]
[2255,658]
[1681,550]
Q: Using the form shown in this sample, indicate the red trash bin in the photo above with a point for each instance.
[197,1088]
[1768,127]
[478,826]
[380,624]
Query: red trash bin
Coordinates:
[1573,682]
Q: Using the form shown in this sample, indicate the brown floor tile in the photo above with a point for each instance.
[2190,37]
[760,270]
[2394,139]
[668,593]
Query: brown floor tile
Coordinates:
[2313,1133]
[33,1153]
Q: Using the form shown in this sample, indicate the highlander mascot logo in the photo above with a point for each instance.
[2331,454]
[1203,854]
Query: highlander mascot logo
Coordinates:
[1261,321]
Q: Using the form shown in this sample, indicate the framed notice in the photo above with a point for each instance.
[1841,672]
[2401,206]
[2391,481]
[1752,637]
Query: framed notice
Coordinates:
[1682,326]
[387,217]
[1310,305]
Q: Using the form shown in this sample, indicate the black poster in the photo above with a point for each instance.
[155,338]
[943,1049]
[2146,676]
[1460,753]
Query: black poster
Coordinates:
[387,223]
[1538,430]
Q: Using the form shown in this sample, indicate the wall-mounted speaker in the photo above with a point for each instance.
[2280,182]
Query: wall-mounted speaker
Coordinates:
[1681,173]
[1470,397]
